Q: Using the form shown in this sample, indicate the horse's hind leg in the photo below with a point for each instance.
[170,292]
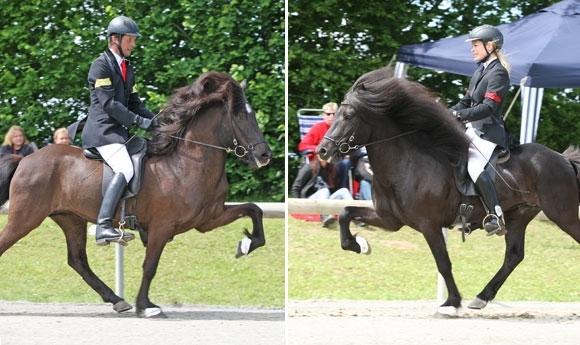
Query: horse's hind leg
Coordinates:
[75,231]
[15,230]
[516,222]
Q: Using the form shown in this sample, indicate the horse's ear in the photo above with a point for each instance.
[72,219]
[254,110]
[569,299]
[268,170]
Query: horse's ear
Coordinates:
[244,84]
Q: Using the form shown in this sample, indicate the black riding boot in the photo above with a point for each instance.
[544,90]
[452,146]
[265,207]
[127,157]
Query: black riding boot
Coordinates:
[493,222]
[105,232]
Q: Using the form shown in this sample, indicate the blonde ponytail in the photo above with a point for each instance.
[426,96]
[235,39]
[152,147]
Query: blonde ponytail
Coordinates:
[502,59]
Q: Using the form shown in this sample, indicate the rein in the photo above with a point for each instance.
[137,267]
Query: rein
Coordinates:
[345,147]
[238,150]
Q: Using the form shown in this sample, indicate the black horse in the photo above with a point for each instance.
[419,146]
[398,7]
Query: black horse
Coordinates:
[414,146]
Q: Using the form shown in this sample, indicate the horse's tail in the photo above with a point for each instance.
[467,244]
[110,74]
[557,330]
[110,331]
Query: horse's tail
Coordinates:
[572,153]
[8,165]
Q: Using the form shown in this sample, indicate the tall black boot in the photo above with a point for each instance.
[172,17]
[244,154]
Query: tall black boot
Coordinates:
[105,232]
[493,222]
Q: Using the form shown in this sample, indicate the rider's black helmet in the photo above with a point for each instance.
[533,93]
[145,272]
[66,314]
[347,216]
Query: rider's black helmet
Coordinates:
[486,33]
[123,26]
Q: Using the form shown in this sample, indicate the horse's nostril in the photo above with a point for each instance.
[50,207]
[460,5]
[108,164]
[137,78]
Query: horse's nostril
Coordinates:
[321,151]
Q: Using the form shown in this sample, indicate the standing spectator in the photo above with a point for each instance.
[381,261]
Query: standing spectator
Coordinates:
[61,136]
[115,107]
[15,142]
[317,180]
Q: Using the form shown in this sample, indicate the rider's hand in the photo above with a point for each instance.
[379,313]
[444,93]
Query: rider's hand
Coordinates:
[143,123]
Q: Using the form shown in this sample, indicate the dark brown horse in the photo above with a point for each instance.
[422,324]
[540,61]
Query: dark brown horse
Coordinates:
[184,186]
[413,145]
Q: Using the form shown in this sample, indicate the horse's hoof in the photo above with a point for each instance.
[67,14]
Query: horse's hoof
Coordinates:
[477,303]
[447,310]
[122,306]
[365,247]
[152,313]
[243,247]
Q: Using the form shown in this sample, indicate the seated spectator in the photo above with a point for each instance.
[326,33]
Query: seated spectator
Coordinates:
[317,180]
[364,174]
[15,142]
[61,136]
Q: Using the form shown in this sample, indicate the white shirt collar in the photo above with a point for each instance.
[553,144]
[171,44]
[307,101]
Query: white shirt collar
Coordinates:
[118,58]
[485,64]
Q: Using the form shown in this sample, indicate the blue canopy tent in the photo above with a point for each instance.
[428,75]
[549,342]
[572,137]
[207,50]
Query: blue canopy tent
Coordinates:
[543,50]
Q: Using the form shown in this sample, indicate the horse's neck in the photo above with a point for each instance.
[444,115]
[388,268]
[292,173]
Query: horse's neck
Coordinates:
[395,159]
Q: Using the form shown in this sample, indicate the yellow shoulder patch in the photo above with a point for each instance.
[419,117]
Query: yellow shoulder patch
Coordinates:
[103,82]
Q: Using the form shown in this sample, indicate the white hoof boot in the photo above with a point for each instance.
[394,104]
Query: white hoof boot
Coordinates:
[245,245]
[477,303]
[447,311]
[365,248]
[153,313]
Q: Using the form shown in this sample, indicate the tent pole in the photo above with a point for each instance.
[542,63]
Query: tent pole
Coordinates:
[512,104]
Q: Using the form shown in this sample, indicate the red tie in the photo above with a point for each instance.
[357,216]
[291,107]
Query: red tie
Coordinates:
[124,69]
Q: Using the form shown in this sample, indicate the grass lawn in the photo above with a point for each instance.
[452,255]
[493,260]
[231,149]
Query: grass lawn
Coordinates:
[401,266]
[195,268]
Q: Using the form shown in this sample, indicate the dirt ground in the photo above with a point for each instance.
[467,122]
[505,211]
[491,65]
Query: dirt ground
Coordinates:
[24,323]
[318,322]
[312,322]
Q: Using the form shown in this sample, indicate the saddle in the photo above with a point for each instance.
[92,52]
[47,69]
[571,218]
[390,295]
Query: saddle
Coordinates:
[467,187]
[137,148]
[464,183]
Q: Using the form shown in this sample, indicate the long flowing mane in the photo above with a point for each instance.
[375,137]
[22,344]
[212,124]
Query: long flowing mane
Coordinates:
[209,89]
[378,97]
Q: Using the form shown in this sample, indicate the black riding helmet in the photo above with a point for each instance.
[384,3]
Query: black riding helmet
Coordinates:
[486,33]
[121,26]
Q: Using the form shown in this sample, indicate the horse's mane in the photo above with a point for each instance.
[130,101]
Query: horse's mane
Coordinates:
[377,96]
[209,89]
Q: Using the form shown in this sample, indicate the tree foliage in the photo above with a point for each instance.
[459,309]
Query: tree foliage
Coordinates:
[47,48]
[332,43]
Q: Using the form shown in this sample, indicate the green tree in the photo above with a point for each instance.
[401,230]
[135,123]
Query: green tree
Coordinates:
[334,42]
[48,46]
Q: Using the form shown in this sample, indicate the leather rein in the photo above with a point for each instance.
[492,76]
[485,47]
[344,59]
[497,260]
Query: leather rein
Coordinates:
[344,146]
[238,150]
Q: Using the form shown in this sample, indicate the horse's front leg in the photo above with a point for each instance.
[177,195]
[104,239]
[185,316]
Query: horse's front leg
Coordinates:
[155,245]
[230,213]
[436,241]
[74,229]
[367,215]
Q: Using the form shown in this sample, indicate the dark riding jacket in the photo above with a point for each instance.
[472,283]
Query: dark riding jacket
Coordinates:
[114,103]
[482,105]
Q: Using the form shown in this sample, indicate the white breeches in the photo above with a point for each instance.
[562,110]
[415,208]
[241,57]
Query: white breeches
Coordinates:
[480,152]
[118,158]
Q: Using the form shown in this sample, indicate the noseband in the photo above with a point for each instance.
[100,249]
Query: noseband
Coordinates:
[344,146]
[238,150]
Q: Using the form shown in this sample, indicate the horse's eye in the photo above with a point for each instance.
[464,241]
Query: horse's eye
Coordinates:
[347,113]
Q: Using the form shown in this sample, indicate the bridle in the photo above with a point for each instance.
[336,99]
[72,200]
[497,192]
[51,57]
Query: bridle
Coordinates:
[344,146]
[238,150]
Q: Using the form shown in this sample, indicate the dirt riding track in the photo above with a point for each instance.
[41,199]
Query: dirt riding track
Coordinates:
[322,322]
[24,323]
